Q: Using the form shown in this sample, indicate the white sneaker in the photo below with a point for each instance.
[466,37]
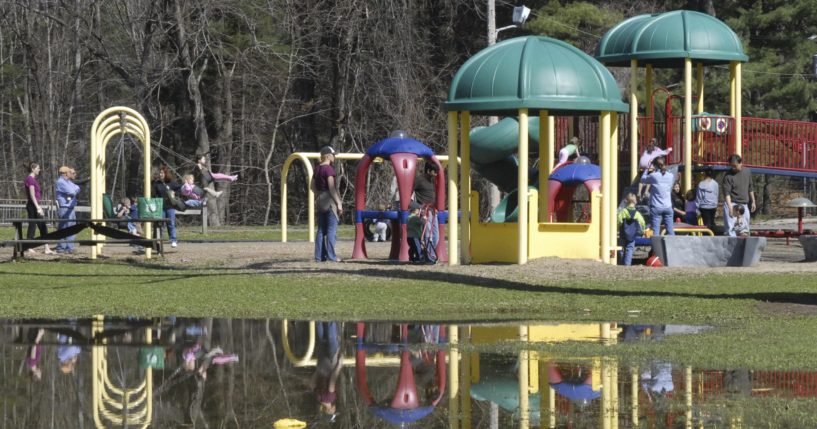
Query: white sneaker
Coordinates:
[174,244]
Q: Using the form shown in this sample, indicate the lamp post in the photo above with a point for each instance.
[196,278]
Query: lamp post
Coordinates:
[520,15]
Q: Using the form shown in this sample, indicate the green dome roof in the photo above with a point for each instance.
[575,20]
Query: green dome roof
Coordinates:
[665,39]
[536,73]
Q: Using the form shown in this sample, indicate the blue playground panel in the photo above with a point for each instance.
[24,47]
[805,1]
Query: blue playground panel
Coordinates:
[398,215]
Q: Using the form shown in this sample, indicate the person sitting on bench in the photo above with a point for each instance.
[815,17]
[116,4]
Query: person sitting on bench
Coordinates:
[194,194]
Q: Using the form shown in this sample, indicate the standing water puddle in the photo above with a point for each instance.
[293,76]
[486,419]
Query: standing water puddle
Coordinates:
[175,372]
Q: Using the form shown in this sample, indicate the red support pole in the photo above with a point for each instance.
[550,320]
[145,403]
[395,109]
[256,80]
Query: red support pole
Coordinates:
[359,250]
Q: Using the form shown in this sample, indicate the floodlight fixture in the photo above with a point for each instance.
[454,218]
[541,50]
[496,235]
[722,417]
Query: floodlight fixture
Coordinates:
[521,14]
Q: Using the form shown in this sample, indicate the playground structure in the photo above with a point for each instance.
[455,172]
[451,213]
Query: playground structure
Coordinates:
[504,80]
[403,153]
[114,406]
[518,77]
[404,407]
[305,159]
[530,395]
[113,122]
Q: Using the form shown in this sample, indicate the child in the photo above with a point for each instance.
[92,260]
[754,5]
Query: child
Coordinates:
[741,228]
[632,226]
[380,227]
[415,234]
[569,152]
[196,357]
[134,227]
[691,208]
[193,194]
[207,176]
[122,211]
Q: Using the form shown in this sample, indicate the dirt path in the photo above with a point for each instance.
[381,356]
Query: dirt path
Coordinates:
[778,258]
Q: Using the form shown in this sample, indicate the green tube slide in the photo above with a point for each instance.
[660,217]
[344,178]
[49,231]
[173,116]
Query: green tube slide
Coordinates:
[493,156]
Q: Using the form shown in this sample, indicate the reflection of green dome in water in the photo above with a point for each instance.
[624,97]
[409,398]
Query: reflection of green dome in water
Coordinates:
[533,72]
[666,39]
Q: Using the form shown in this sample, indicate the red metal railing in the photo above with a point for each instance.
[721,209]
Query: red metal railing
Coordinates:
[775,143]
[766,143]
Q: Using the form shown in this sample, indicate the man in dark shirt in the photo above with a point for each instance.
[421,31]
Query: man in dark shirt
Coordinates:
[738,189]
[426,195]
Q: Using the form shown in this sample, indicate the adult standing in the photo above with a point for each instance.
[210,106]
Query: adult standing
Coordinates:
[33,193]
[706,197]
[660,181]
[67,192]
[164,187]
[738,188]
[328,206]
[651,152]
[425,193]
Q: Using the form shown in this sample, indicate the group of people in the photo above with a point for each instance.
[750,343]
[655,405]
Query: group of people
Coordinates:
[180,196]
[67,190]
[667,205]
[66,195]
[423,224]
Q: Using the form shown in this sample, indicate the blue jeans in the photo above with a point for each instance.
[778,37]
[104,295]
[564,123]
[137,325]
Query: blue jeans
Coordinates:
[67,216]
[629,247]
[432,235]
[326,236]
[327,336]
[171,224]
[193,203]
[657,215]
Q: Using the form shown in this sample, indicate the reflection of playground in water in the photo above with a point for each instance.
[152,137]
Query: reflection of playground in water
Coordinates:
[254,373]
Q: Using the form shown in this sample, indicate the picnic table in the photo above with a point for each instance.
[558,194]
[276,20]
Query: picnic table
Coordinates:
[112,235]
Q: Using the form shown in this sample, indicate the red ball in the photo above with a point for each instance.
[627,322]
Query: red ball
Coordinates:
[654,261]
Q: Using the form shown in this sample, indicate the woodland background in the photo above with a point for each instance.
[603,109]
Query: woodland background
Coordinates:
[251,81]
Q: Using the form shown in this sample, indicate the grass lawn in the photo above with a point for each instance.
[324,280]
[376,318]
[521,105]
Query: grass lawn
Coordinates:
[762,320]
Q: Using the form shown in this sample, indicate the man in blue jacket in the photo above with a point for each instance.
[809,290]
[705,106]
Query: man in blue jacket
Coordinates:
[67,192]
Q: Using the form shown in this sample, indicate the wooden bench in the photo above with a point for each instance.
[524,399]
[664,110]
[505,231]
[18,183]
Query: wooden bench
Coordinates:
[112,235]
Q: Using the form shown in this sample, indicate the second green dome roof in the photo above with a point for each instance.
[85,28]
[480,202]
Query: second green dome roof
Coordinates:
[666,39]
[535,73]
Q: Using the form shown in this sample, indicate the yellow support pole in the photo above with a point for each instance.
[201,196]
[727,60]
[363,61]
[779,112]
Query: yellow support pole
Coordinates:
[634,395]
[522,376]
[606,394]
[648,111]
[547,401]
[604,145]
[688,396]
[700,81]
[545,162]
[614,393]
[613,187]
[465,186]
[732,89]
[738,132]
[634,119]
[699,107]
[522,188]
[453,367]
[453,224]
[687,124]
[465,382]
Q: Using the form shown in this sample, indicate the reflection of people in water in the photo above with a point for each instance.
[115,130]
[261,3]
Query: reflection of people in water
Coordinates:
[329,365]
[658,378]
[67,354]
[574,382]
[196,358]
[35,354]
